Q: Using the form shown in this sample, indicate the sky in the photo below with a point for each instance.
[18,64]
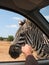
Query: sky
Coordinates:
[45,12]
[9,21]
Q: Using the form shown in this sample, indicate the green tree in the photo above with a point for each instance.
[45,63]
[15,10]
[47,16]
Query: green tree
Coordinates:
[1,38]
[10,38]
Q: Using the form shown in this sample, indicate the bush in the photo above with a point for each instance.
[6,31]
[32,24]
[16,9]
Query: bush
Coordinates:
[1,38]
[10,38]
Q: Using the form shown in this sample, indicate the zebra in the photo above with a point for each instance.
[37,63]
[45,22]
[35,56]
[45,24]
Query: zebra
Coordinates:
[29,33]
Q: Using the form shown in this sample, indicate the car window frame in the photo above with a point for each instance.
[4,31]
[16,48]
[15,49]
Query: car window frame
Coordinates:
[37,11]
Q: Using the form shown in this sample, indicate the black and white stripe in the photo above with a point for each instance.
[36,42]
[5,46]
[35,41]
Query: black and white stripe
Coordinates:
[32,36]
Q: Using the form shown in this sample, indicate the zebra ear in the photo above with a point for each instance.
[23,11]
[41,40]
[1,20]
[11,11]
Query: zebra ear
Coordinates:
[22,22]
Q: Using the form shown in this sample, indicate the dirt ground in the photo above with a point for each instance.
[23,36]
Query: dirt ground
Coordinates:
[4,55]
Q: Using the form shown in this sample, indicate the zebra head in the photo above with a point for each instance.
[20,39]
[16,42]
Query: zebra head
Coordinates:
[29,33]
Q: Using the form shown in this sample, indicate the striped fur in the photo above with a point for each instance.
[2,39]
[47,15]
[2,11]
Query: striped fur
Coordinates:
[29,33]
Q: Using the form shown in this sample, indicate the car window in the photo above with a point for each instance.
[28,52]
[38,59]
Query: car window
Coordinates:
[9,25]
[45,12]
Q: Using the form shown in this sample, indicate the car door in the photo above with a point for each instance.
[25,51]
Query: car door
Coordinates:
[32,13]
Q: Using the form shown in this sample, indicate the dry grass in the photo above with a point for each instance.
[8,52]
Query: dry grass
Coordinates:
[4,55]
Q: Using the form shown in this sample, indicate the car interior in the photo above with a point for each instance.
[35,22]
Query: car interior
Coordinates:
[30,9]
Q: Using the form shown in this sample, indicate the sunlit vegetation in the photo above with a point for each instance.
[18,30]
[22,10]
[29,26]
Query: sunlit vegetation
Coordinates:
[9,38]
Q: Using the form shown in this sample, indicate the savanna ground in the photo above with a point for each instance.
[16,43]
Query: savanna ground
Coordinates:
[4,55]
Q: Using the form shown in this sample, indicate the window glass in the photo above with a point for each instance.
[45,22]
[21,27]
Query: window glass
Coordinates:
[45,12]
[10,26]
